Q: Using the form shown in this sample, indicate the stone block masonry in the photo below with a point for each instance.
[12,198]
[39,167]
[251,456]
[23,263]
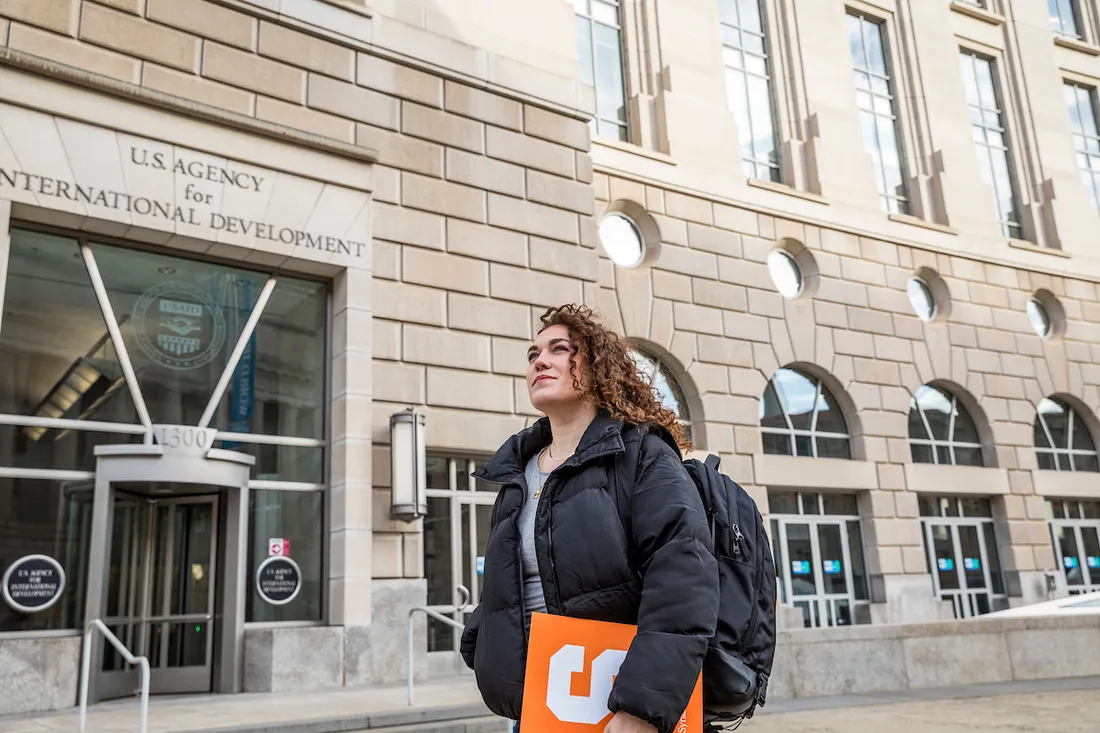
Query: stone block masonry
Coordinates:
[484,211]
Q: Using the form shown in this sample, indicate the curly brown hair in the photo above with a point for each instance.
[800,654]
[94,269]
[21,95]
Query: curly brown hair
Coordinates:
[616,384]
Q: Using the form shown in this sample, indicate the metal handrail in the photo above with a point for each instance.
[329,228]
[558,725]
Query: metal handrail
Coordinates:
[438,617]
[85,671]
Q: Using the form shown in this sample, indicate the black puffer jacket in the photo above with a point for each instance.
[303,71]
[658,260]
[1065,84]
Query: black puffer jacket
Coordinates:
[590,568]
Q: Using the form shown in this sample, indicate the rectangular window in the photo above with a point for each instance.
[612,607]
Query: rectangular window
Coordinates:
[976,3]
[1063,18]
[877,110]
[599,46]
[749,86]
[1081,101]
[991,137]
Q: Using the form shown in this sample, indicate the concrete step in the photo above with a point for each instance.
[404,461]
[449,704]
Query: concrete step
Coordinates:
[491,724]
[451,719]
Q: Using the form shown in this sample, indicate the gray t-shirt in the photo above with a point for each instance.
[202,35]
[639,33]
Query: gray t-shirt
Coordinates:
[533,599]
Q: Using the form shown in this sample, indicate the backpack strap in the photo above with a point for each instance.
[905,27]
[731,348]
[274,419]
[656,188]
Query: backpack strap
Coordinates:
[713,461]
[627,464]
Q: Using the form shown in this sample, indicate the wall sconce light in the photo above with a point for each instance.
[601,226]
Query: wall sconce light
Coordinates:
[408,466]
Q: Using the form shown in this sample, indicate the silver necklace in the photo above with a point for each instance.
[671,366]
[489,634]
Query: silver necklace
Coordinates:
[538,465]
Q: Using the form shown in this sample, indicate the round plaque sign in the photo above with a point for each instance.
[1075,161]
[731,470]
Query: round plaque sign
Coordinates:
[33,583]
[178,325]
[278,580]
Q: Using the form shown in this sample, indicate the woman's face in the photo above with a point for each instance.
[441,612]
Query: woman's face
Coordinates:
[549,382]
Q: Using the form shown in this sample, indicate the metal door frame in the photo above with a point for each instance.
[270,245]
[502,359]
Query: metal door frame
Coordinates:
[149,598]
[196,463]
[964,598]
[456,500]
[820,601]
[1076,525]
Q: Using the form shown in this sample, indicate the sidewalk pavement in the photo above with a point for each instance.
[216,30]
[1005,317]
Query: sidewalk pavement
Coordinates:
[1069,705]
[255,711]
[1042,712]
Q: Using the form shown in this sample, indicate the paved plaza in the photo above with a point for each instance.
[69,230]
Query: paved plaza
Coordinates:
[1050,712]
[1043,706]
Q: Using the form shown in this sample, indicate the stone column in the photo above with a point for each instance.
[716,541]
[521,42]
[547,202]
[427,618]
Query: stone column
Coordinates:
[5,247]
[1024,542]
[350,546]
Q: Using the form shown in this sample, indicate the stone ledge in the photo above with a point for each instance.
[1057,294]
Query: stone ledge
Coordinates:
[1032,247]
[918,222]
[1075,44]
[786,190]
[896,658]
[986,16]
[1067,484]
[931,479]
[821,473]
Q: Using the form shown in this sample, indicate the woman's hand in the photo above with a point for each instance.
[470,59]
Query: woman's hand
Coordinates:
[626,723]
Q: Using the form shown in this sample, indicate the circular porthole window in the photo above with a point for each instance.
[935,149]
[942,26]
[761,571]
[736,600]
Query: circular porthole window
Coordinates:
[1040,318]
[786,273]
[621,240]
[921,298]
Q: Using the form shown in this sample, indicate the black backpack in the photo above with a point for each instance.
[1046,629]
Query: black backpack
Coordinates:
[739,656]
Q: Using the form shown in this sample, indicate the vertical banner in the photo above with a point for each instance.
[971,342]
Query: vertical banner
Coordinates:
[242,386]
[571,668]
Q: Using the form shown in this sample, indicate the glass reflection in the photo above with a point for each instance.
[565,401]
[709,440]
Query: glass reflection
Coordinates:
[665,386]
[1062,439]
[599,48]
[749,86]
[878,119]
[56,357]
[1081,102]
[799,396]
[941,430]
[1063,18]
[295,516]
[176,318]
[988,132]
[180,320]
[52,518]
[798,416]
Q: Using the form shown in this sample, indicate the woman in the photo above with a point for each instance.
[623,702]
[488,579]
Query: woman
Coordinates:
[595,519]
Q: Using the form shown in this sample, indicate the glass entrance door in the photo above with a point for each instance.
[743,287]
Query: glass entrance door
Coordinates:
[160,600]
[818,572]
[819,557]
[456,532]
[960,561]
[1077,547]
[961,550]
[1075,527]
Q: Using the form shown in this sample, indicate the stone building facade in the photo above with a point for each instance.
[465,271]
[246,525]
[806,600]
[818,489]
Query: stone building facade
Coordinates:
[401,187]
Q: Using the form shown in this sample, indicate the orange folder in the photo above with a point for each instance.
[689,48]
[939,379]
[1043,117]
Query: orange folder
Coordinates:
[571,666]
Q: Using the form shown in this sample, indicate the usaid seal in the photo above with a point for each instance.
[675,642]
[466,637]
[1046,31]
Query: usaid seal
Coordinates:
[33,583]
[278,580]
[179,325]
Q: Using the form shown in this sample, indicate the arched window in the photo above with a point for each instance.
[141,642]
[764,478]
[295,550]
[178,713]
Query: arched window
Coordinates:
[800,417]
[941,430]
[665,386]
[1062,441]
